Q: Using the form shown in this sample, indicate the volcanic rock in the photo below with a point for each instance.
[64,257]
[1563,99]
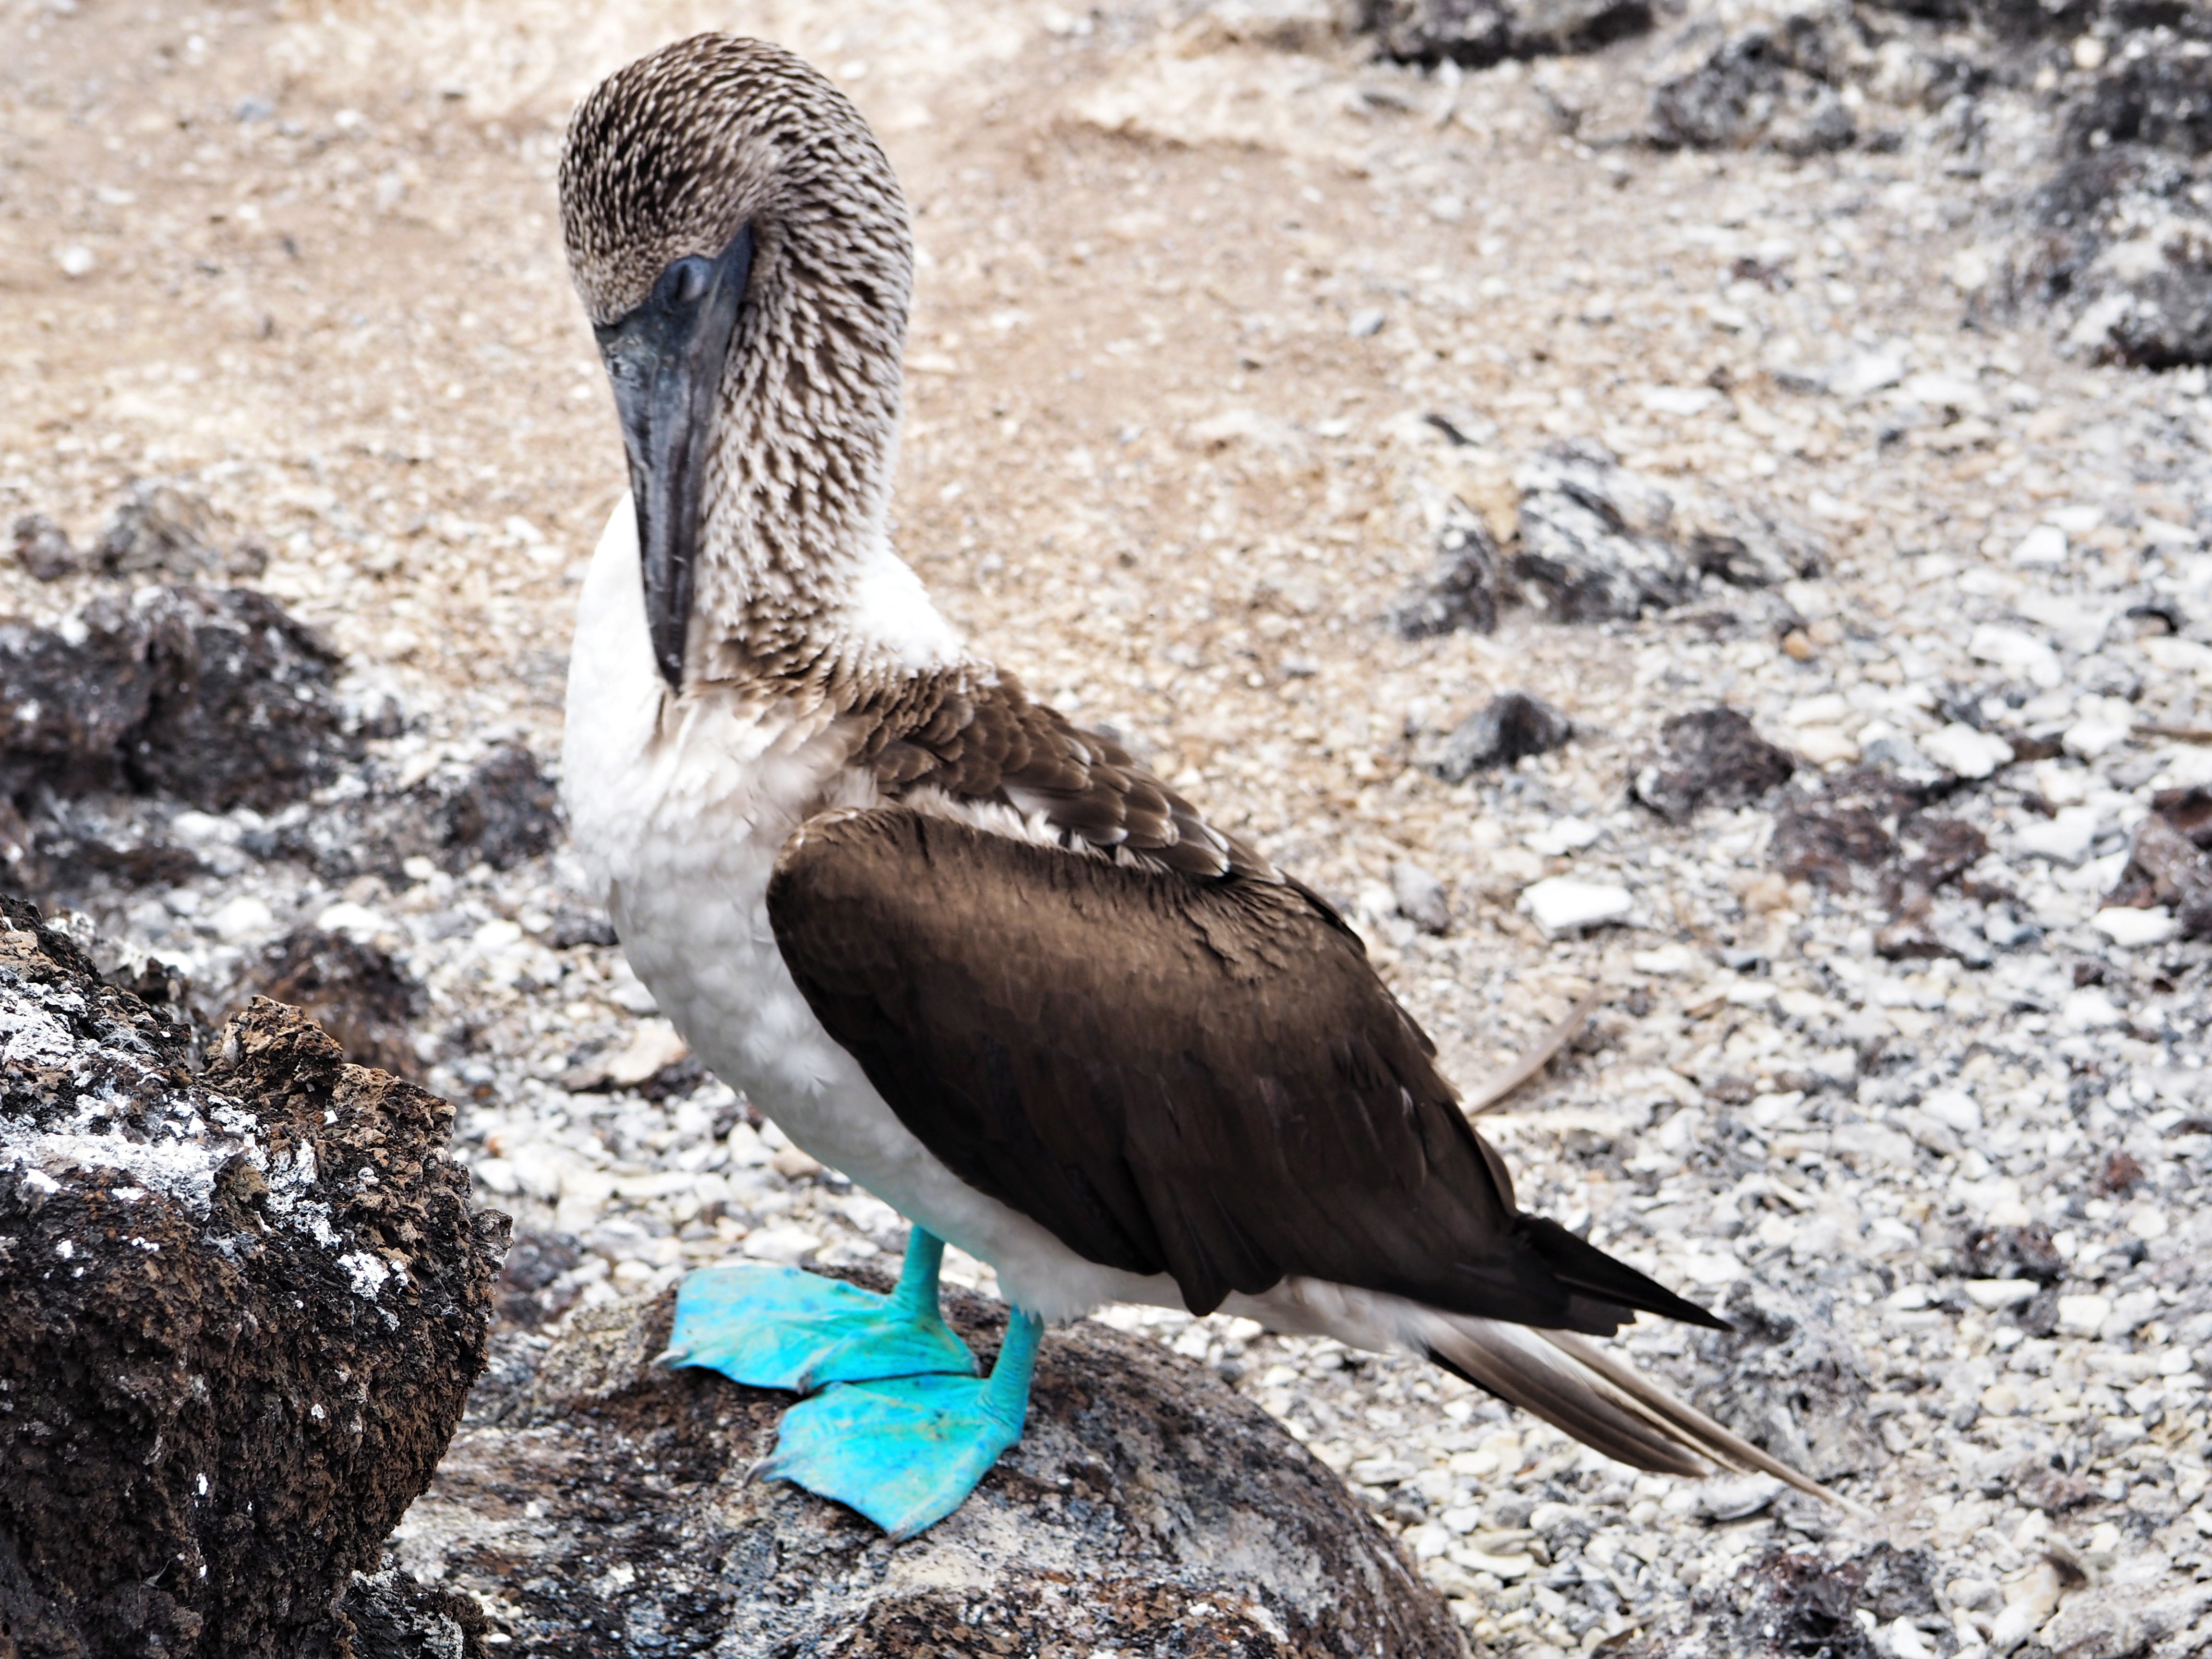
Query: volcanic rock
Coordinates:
[1478,33]
[214,697]
[1595,538]
[1771,84]
[239,1314]
[1786,1381]
[1509,728]
[1709,756]
[42,547]
[163,530]
[353,990]
[595,1502]
[498,811]
[1462,592]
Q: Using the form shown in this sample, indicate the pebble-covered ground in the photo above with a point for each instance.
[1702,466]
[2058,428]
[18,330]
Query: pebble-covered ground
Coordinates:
[1215,319]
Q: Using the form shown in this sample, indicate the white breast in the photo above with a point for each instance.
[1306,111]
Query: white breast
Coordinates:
[678,809]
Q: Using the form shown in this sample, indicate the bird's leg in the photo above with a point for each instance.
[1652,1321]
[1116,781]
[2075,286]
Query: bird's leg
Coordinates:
[906,1452]
[780,1327]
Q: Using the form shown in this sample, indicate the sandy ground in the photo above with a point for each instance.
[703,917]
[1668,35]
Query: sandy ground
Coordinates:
[1182,301]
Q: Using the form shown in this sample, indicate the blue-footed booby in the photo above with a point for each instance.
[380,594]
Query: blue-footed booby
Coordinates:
[977,958]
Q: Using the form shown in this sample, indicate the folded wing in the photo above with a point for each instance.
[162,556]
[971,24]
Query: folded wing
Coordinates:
[1197,1077]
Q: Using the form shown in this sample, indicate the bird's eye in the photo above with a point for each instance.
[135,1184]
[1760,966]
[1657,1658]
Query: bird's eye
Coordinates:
[685,282]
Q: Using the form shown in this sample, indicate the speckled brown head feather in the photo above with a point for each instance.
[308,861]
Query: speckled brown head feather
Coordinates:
[666,158]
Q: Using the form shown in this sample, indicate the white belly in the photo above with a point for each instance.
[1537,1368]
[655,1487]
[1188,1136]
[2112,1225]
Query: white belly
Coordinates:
[680,823]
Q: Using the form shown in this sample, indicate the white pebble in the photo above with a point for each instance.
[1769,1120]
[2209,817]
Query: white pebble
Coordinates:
[1953,1108]
[244,918]
[1564,905]
[2064,838]
[2084,1315]
[2008,648]
[1559,836]
[355,920]
[1959,748]
[2131,928]
[2101,724]
[2042,547]
[784,1243]
[1825,745]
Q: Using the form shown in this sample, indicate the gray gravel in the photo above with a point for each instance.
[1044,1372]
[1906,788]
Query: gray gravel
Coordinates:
[1877,1068]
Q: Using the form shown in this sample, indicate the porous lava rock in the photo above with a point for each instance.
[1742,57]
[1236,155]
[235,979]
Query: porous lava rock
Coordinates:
[214,697]
[1785,1380]
[596,1504]
[1596,539]
[1479,32]
[1709,757]
[239,1314]
[1509,727]
[499,810]
[1461,592]
[1773,84]
[350,988]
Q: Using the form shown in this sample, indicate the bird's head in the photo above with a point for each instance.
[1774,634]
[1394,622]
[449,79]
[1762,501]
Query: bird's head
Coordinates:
[741,247]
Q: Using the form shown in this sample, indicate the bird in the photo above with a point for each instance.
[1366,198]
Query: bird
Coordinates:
[977,958]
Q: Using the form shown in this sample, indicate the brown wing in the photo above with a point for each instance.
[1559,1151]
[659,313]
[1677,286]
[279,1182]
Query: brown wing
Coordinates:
[981,738]
[1201,1078]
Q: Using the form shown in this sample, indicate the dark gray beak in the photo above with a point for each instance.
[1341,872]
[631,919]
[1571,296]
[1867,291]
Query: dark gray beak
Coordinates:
[666,359]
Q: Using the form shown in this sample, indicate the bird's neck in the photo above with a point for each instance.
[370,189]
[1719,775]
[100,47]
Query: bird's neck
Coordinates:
[798,585]
[794,546]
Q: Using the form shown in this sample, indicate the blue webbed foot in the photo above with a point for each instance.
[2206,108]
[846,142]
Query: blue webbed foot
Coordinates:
[778,1327]
[905,1452]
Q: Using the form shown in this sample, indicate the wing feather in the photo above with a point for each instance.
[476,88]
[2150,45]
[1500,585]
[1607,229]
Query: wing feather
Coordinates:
[1201,1078]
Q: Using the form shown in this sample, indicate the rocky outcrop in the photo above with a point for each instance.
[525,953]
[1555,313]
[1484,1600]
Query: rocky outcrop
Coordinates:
[1475,32]
[594,1502]
[240,1314]
[212,696]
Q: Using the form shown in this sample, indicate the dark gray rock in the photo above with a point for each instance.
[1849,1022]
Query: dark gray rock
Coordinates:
[2170,860]
[42,547]
[2162,99]
[530,1291]
[242,713]
[213,697]
[1478,33]
[2118,244]
[393,1617]
[1509,728]
[1746,549]
[597,1503]
[1771,85]
[165,530]
[2120,251]
[501,810]
[1461,592]
[1785,1380]
[1787,1605]
[1595,538]
[2013,21]
[69,699]
[1709,756]
[239,1314]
